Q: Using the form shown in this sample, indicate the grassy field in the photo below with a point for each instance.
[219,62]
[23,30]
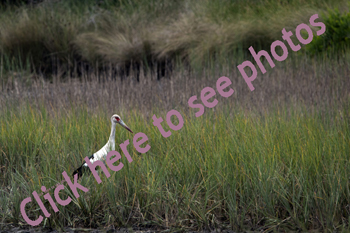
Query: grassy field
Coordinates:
[287,169]
[272,159]
[275,159]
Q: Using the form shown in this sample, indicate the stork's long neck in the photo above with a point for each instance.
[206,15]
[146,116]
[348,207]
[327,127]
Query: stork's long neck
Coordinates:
[112,136]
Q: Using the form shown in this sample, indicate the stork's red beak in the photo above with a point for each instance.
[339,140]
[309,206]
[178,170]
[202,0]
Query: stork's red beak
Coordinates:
[125,126]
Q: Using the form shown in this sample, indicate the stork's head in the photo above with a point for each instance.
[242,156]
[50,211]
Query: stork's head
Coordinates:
[116,119]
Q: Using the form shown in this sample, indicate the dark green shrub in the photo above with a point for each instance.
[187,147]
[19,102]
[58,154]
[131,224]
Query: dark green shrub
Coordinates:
[337,35]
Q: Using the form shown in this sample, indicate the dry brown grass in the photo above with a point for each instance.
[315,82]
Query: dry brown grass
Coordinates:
[316,85]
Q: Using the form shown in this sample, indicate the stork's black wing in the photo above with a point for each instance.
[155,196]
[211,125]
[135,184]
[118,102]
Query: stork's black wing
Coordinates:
[79,170]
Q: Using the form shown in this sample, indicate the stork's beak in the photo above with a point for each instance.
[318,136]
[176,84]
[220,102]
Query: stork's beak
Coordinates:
[125,126]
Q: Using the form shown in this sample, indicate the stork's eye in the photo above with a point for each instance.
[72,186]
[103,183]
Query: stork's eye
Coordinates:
[117,118]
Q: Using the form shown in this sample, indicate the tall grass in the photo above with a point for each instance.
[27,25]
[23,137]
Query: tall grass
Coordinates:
[271,159]
[284,169]
[275,159]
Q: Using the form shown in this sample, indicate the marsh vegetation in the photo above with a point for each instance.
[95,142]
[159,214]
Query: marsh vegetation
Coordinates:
[274,159]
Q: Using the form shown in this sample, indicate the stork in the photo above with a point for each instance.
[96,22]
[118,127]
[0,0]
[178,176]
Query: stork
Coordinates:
[110,145]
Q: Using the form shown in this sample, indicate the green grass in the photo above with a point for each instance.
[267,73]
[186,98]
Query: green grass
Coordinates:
[283,169]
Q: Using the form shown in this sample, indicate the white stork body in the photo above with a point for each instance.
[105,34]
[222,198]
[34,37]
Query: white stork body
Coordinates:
[110,145]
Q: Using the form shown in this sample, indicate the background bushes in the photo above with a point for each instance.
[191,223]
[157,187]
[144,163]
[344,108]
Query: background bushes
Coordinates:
[61,36]
[337,36]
